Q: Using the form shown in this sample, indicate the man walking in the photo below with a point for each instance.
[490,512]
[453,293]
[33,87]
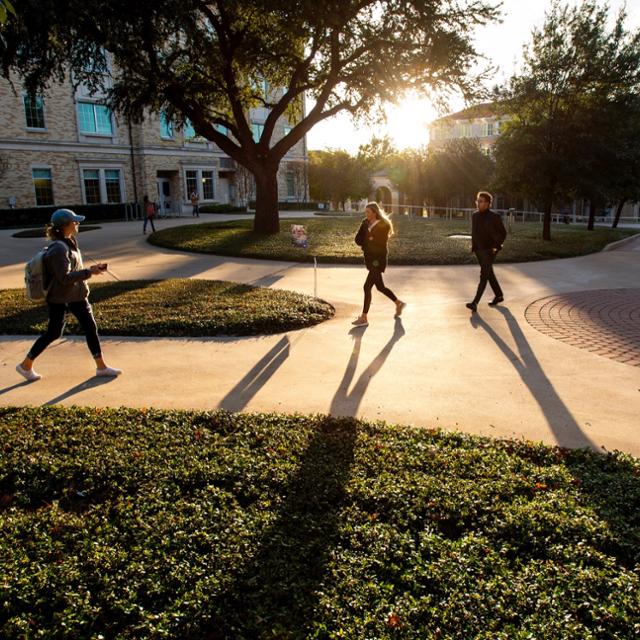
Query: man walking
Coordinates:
[487,236]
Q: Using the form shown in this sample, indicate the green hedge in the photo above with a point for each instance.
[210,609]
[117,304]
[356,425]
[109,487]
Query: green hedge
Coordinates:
[176,308]
[122,523]
[221,208]
[292,206]
[41,215]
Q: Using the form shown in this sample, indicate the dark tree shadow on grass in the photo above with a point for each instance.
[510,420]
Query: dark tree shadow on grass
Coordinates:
[276,593]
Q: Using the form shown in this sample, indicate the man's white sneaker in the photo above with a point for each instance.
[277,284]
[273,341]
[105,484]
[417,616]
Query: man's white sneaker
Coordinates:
[29,374]
[108,372]
[359,322]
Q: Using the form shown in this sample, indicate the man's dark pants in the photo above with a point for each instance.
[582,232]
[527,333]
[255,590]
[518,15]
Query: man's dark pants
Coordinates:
[486,258]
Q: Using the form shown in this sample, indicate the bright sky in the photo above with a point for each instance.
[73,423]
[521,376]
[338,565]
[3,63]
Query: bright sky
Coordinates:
[500,43]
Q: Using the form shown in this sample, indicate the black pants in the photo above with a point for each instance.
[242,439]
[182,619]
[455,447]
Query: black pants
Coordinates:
[375,278]
[147,220]
[83,312]
[486,258]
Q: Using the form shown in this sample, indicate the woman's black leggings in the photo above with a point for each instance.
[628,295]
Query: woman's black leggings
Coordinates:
[375,278]
[83,312]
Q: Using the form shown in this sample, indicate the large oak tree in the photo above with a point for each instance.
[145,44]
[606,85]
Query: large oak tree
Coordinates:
[205,61]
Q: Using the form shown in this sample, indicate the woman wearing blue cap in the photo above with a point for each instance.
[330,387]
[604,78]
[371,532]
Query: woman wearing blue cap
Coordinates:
[67,291]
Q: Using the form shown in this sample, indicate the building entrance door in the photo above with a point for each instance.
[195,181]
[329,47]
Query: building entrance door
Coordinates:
[164,197]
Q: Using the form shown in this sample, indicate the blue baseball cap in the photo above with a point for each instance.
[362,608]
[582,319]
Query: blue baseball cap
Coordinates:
[62,216]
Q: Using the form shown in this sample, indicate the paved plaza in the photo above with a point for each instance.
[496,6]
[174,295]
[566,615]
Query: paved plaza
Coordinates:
[558,362]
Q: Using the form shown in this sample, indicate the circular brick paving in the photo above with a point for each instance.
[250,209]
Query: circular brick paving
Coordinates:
[606,321]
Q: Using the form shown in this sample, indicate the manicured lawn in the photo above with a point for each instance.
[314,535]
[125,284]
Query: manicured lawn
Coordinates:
[122,523]
[179,307]
[417,241]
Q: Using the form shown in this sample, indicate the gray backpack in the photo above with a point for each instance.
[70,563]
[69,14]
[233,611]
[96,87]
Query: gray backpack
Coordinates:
[35,276]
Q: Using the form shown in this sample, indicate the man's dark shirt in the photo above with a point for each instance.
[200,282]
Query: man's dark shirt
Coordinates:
[487,231]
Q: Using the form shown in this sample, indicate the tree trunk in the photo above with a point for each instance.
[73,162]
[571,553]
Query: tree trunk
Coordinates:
[618,213]
[592,215]
[267,220]
[546,220]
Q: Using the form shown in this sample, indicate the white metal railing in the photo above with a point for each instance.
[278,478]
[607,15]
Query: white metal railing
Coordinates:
[512,215]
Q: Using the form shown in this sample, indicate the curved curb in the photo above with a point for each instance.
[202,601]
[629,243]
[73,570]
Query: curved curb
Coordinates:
[619,243]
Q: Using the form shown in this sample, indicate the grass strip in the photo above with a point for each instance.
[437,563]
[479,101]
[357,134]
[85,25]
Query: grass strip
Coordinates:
[123,523]
[177,308]
[417,241]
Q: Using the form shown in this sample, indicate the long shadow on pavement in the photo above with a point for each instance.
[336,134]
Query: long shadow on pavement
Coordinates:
[276,590]
[608,483]
[558,416]
[345,402]
[238,398]
[89,383]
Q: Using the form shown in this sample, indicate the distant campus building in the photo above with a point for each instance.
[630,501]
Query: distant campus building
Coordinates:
[65,148]
[478,122]
[482,123]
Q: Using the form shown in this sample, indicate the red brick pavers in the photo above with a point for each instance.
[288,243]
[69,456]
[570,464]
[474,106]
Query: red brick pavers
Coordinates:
[605,321]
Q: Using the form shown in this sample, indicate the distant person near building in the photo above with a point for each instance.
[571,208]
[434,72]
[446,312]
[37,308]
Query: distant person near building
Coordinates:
[149,209]
[487,237]
[195,200]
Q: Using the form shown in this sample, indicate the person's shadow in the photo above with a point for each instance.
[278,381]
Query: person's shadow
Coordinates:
[242,393]
[345,402]
[90,383]
[558,416]
[277,587]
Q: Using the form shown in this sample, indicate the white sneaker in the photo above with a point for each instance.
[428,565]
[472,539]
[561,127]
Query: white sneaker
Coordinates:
[360,322]
[109,372]
[29,374]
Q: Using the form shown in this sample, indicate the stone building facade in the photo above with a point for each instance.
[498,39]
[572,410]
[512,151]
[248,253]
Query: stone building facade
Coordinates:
[65,148]
[479,122]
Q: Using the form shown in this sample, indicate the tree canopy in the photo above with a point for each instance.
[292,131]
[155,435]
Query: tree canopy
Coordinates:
[568,108]
[212,61]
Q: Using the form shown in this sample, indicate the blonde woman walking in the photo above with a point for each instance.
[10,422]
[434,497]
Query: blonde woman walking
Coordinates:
[373,236]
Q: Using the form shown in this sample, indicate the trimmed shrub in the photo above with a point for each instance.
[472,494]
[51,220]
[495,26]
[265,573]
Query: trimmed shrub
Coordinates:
[41,215]
[221,208]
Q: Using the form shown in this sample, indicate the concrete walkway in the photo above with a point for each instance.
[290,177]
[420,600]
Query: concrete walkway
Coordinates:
[492,373]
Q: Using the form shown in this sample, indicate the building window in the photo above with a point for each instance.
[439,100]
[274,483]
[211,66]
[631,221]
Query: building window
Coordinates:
[166,127]
[190,134]
[257,129]
[102,186]
[291,184]
[43,186]
[92,186]
[34,112]
[112,185]
[489,129]
[202,182]
[94,118]
[207,185]
[192,182]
